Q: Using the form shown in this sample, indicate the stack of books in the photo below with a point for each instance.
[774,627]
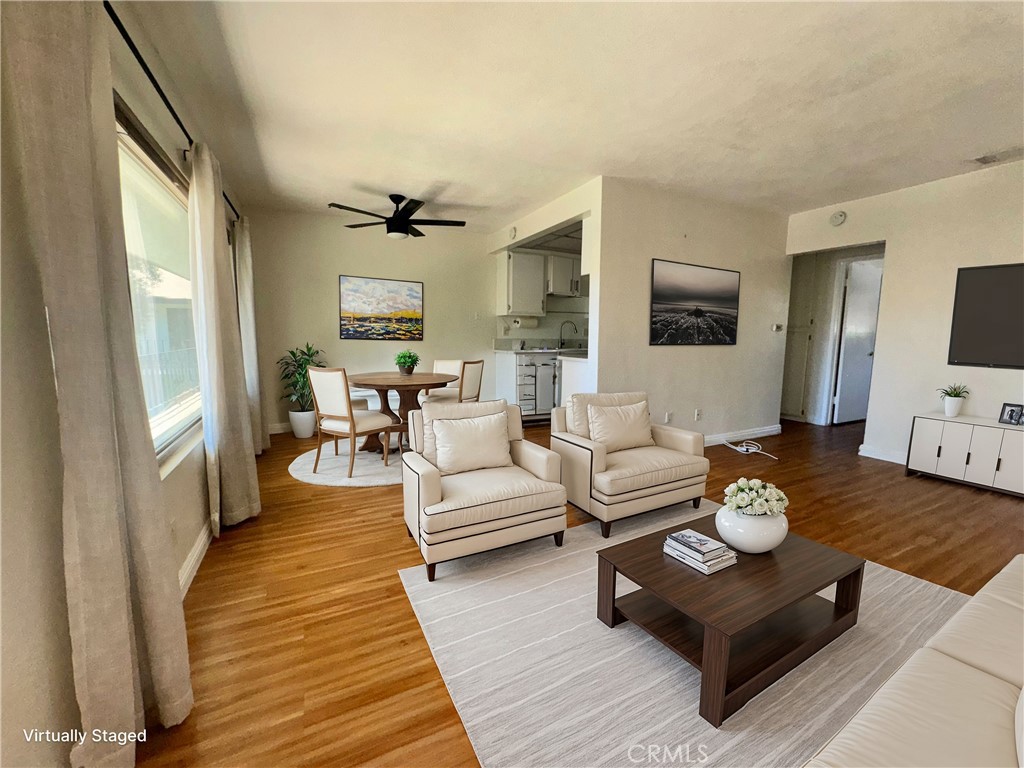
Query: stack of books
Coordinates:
[700,552]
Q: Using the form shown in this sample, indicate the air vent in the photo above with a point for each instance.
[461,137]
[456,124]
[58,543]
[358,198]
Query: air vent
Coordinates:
[1006,156]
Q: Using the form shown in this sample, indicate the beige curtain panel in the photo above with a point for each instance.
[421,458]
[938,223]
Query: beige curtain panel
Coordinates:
[227,425]
[247,326]
[129,650]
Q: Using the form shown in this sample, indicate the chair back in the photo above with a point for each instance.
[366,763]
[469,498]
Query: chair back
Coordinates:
[453,367]
[470,377]
[330,392]
[418,426]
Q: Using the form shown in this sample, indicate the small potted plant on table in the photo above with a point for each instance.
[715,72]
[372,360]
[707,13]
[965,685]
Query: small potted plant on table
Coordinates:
[294,366]
[407,360]
[953,398]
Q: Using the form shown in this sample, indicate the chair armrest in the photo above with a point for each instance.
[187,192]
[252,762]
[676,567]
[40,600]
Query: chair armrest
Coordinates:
[537,460]
[596,453]
[421,481]
[682,440]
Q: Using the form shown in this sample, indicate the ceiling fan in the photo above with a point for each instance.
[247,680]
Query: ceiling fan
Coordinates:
[400,224]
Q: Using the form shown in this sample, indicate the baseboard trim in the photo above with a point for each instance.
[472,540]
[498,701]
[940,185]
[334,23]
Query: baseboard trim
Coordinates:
[279,429]
[188,569]
[896,457]
[743,434]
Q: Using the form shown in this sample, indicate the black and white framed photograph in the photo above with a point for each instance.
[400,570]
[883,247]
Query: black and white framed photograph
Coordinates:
[693,305]
[1011,413]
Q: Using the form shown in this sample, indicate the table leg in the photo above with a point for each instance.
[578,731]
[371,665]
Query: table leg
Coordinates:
[408,400]
[372,442]
[714,671]
[606,610]
[848,592]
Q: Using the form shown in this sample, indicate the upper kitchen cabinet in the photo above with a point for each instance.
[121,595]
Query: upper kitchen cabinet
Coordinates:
[563,276]
[520,284]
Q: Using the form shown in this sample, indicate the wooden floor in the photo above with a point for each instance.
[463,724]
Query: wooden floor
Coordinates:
[305,650]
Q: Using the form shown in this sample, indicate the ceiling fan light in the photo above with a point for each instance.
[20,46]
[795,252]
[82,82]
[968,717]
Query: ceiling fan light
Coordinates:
[398,235]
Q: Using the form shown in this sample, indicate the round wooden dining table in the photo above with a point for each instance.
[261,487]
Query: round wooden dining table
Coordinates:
[408,386]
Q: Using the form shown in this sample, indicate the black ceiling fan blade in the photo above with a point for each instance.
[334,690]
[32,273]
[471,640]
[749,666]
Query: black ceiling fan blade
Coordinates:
[410,207]
[367,224]
[437,223]
[415,232]
[341,207]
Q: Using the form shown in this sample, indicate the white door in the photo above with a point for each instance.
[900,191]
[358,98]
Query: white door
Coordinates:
[981,461]
[924,445]
[857,340]
[1010,467]
[956,442]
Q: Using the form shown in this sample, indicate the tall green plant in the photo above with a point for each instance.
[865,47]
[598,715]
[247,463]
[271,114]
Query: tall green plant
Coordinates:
[294,366]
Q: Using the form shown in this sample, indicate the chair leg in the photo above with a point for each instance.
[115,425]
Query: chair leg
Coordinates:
[351,453]
[409,532]
[559,537]
[319,445]
[387,446]
[335,445]
[431,570]
[606,529]
[696,503]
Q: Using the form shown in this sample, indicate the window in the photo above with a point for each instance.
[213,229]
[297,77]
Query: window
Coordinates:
[156,234]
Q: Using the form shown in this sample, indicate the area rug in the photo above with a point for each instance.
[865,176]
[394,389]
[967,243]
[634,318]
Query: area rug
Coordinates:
[539,681]
[333,470]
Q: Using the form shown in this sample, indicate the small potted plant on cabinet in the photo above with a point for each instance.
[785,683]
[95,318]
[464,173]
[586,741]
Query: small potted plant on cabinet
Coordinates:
[407,360]
[953,398]
[294,366]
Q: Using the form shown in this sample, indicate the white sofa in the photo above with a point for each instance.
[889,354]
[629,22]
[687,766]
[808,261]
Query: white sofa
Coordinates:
[955,702]
[507,490]
[613,484]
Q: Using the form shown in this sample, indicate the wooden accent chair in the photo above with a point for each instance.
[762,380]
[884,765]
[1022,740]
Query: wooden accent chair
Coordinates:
[337,417]
[466,389]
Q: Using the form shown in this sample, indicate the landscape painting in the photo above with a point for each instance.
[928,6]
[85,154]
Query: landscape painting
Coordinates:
[377,308]
[692,304]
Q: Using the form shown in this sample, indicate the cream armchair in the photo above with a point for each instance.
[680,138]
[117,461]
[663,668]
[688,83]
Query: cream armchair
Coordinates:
[666,466]
[472,483]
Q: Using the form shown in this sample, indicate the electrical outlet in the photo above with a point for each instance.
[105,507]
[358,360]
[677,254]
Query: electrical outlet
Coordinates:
[698,414]
[668,417]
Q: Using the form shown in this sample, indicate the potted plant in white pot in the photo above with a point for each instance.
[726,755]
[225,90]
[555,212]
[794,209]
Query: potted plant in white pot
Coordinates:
[296,389]
[753,518]
[953,398]
[407,360]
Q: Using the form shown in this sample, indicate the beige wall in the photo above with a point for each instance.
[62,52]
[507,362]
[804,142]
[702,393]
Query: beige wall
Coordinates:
[297,259]
[929,231]
[738,387]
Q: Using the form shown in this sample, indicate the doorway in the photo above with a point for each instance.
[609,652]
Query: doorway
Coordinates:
[833,321]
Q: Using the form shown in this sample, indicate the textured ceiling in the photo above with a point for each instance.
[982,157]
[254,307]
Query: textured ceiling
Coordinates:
[490,110]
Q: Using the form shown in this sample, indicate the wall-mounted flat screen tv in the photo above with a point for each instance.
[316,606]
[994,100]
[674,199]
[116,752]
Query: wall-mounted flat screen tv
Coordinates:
[988,317]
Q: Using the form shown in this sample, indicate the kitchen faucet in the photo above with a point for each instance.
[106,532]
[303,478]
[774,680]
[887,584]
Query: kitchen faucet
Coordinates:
[561,341]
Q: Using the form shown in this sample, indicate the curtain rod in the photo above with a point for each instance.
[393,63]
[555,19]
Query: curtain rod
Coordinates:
[160,91]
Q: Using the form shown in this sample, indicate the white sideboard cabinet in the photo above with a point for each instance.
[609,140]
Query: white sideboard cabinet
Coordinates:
[972,450]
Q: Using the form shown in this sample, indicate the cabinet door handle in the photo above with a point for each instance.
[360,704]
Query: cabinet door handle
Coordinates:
[938,453]
[999,463]
[968,457]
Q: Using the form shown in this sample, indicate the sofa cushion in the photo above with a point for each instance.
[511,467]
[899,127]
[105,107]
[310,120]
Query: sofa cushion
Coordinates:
[488,494]
[1008,584]
[935,711]
[577,419]
[1018,722]
[431,411]
[988,634]
[645,467]
[463,445]
[620,427]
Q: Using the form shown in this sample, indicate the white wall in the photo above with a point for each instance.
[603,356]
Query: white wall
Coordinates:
[297,260]
[929,231]
[738,387]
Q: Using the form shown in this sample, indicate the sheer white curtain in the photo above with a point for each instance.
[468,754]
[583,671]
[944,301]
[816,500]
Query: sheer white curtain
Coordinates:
[129,650]
[227,428]
[247,324]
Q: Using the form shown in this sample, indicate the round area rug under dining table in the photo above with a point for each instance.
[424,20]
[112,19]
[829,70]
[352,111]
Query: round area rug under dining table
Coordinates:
[333,470]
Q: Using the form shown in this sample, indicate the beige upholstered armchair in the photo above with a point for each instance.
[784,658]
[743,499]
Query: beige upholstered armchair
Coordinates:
[615,463]
[472,483]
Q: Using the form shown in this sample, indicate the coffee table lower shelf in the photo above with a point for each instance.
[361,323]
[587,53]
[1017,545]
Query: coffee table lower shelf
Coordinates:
[749,661]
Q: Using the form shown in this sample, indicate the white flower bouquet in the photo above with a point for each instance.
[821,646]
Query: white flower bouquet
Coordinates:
[754,497]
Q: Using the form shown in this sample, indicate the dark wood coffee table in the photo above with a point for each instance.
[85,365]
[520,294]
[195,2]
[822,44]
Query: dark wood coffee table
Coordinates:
[743,627]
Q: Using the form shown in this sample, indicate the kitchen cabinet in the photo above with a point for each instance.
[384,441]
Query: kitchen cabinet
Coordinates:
[520,284]
[563,277]
[973,450]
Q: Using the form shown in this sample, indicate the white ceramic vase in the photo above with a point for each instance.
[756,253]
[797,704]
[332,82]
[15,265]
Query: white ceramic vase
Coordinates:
[752,534]
[303,423]
[953,406]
